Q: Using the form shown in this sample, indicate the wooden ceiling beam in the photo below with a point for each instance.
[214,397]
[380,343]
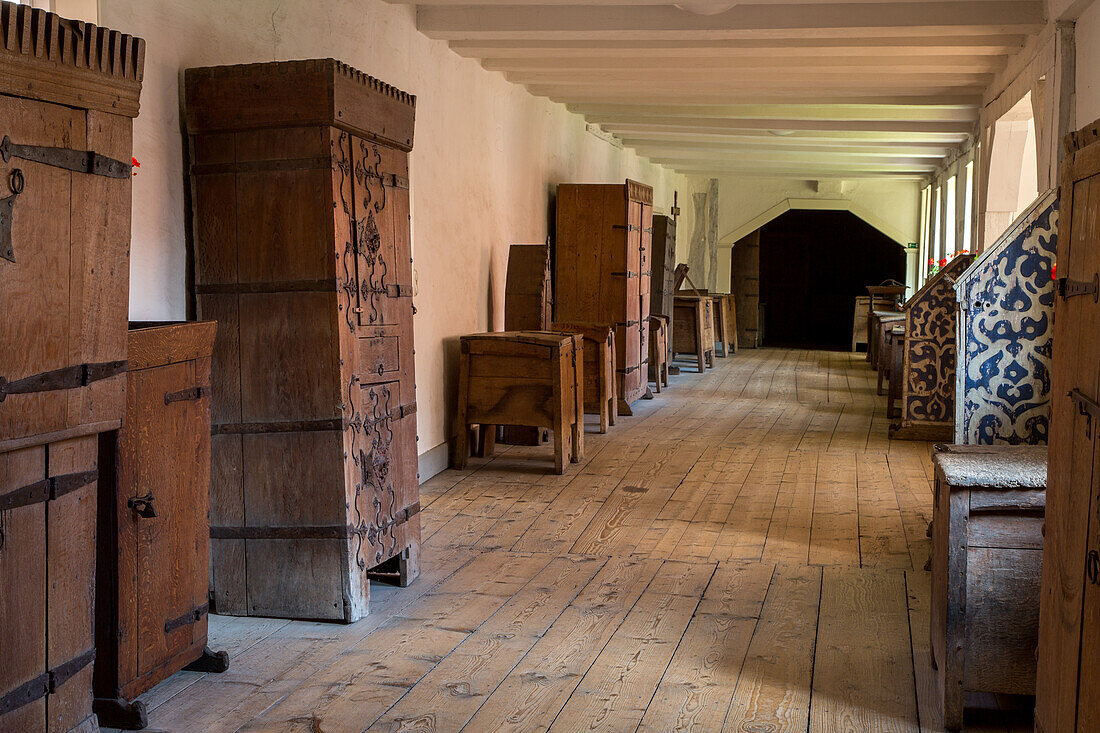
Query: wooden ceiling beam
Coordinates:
[893,63]
[614,123]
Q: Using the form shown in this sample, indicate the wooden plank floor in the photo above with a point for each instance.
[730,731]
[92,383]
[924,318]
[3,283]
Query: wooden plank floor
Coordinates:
[745,553]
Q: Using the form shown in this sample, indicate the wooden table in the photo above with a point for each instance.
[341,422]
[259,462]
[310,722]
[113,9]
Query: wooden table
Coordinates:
[987,554]
[694,331]
[522,378]
[599,369]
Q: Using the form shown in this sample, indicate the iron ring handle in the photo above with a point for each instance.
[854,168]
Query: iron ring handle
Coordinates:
[16,181]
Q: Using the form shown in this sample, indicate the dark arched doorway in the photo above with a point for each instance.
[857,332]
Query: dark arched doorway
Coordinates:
[813,264]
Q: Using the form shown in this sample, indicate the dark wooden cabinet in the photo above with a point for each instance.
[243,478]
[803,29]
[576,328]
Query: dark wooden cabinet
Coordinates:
[663,266]
[602,270]
[153,543]
[745,286]
[1068,681]
[68,91]
[300,191]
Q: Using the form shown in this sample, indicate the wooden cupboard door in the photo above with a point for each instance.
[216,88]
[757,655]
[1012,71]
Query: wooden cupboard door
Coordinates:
[386,488]
[23,566]
[163,458]
[35,289]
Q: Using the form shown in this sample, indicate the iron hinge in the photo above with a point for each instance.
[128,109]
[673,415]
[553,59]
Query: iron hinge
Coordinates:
[185,395]
[195,614]
[72,377]
[47,489]
[81,161]
[1087,407]
[1068,288]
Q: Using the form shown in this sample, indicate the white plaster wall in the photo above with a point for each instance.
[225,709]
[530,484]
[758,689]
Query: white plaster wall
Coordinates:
[486,159]
[896,203]
[1087,34]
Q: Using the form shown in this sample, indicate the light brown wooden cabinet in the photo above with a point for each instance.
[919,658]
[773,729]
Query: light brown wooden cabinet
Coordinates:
[68,93]
[153,543]
[1068,679]
[300,191]
[602,271]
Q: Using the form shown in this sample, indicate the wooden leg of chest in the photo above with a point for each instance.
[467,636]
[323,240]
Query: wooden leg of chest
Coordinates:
[462,425]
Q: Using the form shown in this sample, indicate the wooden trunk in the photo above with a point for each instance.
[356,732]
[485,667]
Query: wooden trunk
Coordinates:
[987,554]
[64,283]
[1068,688]
[599,370]
[745,286]
[300,189]
[153,544]
[602,270]
[695,336]
[928,377]
[529,378]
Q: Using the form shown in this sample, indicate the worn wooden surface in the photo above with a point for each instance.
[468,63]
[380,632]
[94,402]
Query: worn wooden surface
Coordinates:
[744,555]
[1068,687]
[663,283]
[599,370]
[300,183]
[745,286]
[602,270]
[153,570]
[694,334]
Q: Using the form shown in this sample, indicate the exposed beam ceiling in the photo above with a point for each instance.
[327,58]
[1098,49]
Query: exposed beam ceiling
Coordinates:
[810,89]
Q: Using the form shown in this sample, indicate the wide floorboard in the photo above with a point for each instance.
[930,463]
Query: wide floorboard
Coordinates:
[745,553]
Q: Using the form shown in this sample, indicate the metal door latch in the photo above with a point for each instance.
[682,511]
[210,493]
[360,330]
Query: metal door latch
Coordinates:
[1092,567]
[7,212]
[81,161]
[143,505]
[1087,407]
[1068,288]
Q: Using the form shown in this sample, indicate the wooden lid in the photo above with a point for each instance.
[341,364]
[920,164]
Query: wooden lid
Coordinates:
[298,93]
[538,338]
[151,345]
[49,58]
[993,466]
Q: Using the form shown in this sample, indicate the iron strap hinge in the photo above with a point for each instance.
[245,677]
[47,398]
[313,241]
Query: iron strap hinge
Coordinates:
[1086,406]
[628,274]
[81,161]
[47,489]
[71,377]
[192,616]
[1068,288]
[186,395]
[627,227]
[628,370]
[44,684]
[373,533]
[626,324]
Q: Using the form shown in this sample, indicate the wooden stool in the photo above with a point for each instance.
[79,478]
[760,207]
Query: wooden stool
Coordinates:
[522,378]
[987,555]
[694,333]
[599,369]
[658,350]
[722,323]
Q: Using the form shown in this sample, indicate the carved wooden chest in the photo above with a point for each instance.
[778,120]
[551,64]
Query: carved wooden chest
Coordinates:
[153,535]
[68,91]
[602,270]
[695,334]
[300,187]
[533,378]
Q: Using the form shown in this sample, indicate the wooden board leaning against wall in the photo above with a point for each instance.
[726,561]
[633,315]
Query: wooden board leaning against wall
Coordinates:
[68,93]
[300,181]
[1068,681]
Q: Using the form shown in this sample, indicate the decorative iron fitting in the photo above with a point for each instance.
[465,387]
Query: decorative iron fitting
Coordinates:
[1068,288]
[195,614]
[7,214]
[1085,406]
[185,395]
[81,161]
[47,489]
[44,684]
[72,377]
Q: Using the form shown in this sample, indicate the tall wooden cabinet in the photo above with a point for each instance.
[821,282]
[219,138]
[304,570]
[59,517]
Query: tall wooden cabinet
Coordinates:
[1068,679]
[300,194]
[602,270]
[68,93]
[663,268]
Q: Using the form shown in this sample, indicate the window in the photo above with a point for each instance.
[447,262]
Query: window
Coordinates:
[950,214]
[937,249]
[968,209]
[922,253]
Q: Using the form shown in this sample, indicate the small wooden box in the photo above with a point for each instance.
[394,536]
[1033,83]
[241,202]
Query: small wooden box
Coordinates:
[153,532]
[694,332]
[522,378]
[987,556]
[599,369]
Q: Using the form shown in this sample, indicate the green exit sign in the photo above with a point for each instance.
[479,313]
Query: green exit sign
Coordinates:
[911,245]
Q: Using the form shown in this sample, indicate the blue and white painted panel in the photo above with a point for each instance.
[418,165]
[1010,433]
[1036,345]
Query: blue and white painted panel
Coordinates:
[1006,301]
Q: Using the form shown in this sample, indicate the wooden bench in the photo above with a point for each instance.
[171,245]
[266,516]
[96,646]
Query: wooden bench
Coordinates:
[895,347]
[987,554]
[599,369]
[881,321]
[694,331]
[881,297]
[521,378]
[658,350]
